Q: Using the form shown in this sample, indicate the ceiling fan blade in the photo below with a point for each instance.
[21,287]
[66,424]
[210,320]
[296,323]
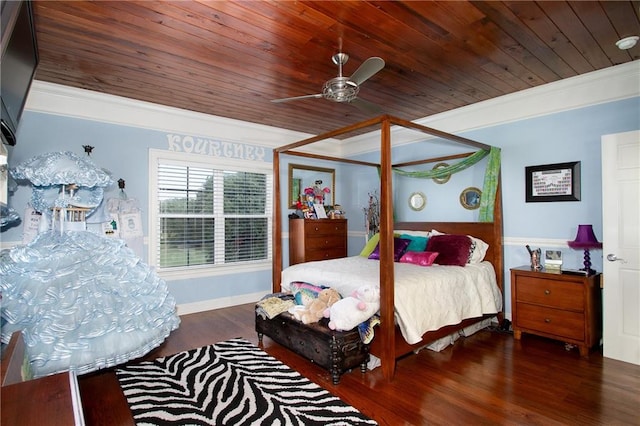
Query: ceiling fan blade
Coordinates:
[367,70]
[366,106]
[295,98]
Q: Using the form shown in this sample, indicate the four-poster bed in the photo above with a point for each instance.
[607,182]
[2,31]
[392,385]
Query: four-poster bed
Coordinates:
[389,343]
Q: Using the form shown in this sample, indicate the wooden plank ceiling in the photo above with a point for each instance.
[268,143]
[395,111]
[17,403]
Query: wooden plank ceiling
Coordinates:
[231,59]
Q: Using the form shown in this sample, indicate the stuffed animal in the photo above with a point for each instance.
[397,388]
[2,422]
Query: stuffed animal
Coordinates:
[315,309]
[347,313]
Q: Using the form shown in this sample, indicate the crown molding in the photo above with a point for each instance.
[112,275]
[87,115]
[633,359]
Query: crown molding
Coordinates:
[606,85]
[56,99]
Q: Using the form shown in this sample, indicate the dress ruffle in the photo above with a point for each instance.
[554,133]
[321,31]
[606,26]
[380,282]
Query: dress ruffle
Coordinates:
[83,301]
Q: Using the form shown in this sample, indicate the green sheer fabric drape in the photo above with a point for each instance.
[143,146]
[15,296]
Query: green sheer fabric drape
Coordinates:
[445,171]
[490,185]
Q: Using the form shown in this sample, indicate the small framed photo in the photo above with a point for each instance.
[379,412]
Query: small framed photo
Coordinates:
[553,259]
[553,182]
[321,213]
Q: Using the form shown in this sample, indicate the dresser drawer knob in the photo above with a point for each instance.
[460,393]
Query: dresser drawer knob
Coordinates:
[547,292]
[547,320]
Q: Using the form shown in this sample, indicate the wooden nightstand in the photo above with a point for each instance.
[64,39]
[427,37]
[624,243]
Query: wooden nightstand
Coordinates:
[559,306]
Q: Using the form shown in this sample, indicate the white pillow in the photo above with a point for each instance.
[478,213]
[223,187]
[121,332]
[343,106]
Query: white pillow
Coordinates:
[413,233]
[479,251]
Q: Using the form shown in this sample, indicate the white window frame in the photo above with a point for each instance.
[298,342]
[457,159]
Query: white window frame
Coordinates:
[157,157]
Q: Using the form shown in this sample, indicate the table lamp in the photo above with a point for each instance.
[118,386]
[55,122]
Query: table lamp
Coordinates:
[586,239]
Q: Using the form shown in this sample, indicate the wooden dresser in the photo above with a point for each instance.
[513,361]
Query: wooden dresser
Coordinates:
[317,239]
[49,400]
[556,305]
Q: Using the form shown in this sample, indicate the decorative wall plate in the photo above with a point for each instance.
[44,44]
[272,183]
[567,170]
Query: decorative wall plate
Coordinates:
[444,179]
[470,198]
[417,201]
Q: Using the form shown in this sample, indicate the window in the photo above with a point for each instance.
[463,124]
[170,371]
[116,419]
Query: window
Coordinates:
[208,213]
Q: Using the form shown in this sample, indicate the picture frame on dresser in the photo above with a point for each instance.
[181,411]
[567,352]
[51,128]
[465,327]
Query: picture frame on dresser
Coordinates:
[552,182]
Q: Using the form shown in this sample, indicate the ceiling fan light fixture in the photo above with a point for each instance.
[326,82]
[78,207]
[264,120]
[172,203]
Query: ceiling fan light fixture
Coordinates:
[627,42]
[340,89]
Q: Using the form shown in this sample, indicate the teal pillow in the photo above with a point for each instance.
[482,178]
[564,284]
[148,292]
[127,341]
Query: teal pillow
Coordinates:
[417,243]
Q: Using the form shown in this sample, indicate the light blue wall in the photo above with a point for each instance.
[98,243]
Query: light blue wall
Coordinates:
[562,137]
[557,138]
[123,150]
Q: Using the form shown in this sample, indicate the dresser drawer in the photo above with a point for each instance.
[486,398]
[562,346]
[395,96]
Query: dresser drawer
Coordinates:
[557,294]
[323,242]
[325,254]
[315,228]
[551,321]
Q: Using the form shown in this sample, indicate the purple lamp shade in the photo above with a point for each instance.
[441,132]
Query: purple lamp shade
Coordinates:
[585,238]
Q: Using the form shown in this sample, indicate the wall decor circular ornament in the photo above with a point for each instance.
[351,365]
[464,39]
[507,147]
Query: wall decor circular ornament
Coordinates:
[443,179]
[470,198]
[417,201]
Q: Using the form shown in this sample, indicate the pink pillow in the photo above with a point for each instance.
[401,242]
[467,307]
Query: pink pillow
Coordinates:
[399,247]
[452,249]
[422,258]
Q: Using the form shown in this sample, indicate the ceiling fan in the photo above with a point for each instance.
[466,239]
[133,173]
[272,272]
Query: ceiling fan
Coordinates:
[345,89]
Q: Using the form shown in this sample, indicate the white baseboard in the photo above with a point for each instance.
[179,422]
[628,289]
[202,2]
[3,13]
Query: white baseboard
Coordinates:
[224,302]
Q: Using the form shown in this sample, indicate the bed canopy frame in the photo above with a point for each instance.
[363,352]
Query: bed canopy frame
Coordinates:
[389,344]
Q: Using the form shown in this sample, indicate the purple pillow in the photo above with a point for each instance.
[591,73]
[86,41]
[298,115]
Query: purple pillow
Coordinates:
[399,247]
[422,258]
[452,249]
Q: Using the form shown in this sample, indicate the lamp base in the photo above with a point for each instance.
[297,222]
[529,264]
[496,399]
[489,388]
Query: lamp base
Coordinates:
[587,263]
[588,271]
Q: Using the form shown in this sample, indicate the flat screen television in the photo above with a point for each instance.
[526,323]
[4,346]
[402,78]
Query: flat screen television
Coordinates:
[19,63]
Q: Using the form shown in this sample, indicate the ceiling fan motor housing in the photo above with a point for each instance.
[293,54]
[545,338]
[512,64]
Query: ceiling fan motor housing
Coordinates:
[340,89]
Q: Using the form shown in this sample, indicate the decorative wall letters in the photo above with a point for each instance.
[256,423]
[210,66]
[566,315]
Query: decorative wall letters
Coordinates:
[215,148]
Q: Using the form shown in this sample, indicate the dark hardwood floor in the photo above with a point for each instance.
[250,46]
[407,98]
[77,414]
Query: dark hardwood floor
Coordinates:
[488,378]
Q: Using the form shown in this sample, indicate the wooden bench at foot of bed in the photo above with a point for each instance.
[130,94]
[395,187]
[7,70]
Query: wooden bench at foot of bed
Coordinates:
[336,351]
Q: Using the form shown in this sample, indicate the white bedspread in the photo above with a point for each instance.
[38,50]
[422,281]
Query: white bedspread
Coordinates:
[426,298]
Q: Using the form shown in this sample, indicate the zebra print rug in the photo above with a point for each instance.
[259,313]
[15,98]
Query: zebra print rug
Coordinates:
[229,383]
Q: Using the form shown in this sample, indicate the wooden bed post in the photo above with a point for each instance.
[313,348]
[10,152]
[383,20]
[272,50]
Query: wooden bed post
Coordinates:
[387,325]
[498,263]
[388,342]
[276,238]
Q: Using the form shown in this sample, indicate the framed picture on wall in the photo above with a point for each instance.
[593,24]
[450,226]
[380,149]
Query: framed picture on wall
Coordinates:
[553,182]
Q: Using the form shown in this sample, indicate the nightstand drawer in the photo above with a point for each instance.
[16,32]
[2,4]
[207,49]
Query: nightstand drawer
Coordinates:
[551,321]
[557,294]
